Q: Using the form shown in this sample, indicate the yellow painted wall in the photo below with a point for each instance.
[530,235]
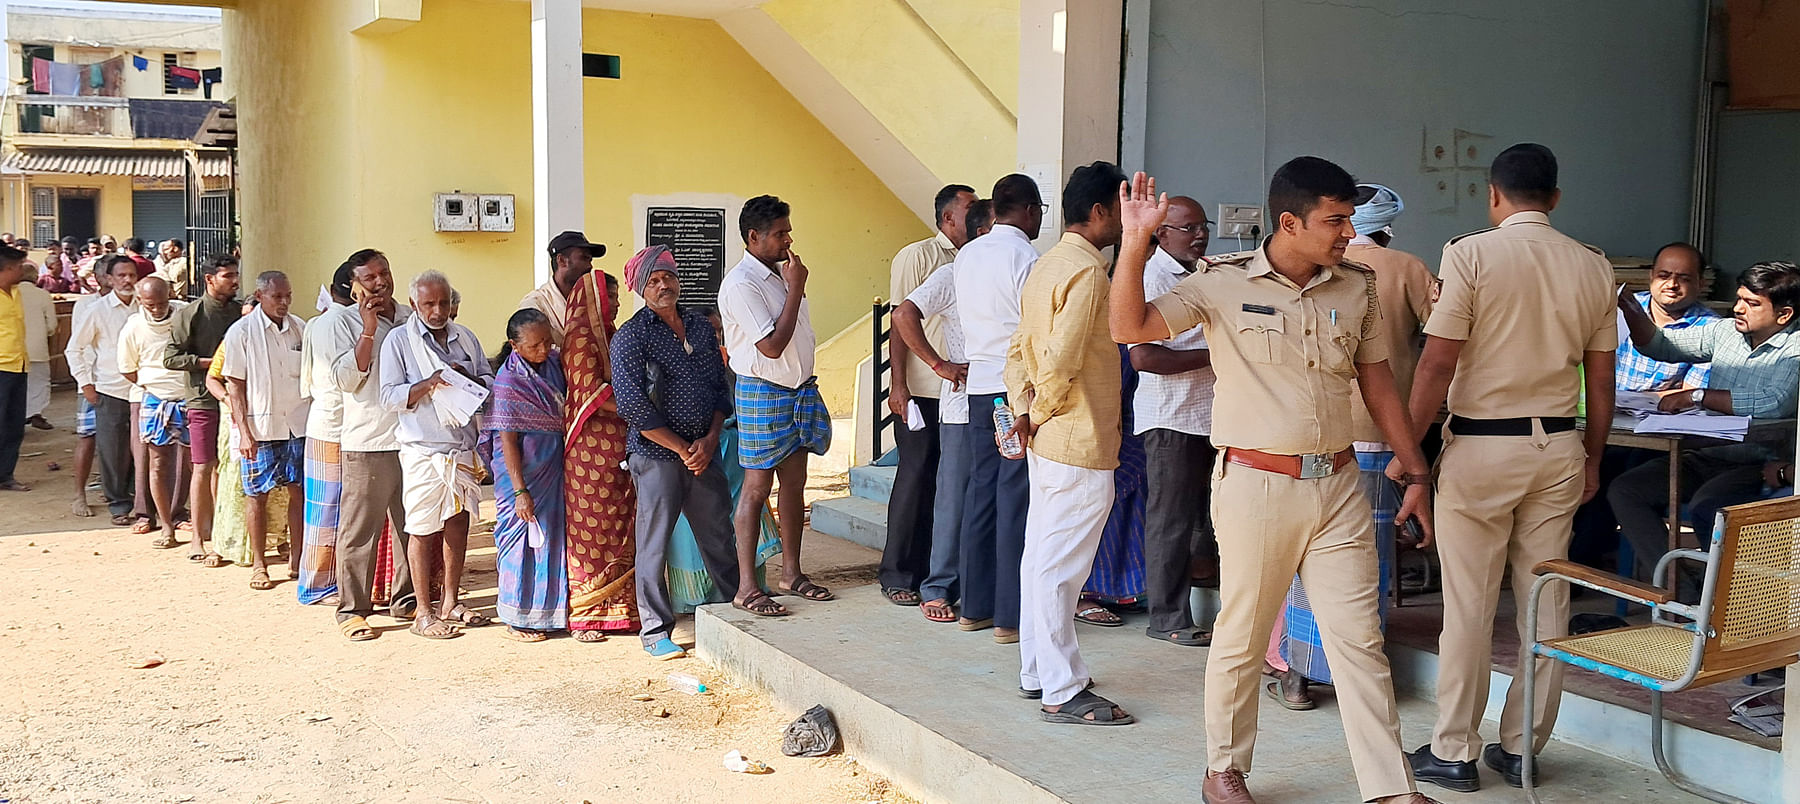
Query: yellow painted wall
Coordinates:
[112,208]
[984,34]
[347,137]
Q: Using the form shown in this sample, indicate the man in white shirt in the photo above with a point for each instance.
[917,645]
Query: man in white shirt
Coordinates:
[368,449]
[770,341]
[571,258]
[990,276]
[1172,411]
[907,557]
[40,324]
[324,485]
[268,408]
[93,355]
[162,415]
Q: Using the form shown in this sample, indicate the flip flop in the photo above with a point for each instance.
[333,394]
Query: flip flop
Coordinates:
[807,589]
[1075,712]
[166,542]
[938,611]
[899,597]
[1089,614]
[1187,637]
[357,629]
[975,625]
[213,561]
[760,604]
[140,527]
[589,636]
[14,485]
[122,520]
[520,635]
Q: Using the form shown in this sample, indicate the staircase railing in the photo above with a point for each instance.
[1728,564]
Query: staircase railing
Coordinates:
[879,416]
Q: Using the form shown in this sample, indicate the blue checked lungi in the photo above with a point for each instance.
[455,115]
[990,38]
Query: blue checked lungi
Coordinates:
[277,464]
[1302,645]
[84,418]
[324,491]
[774,421]
[162,422]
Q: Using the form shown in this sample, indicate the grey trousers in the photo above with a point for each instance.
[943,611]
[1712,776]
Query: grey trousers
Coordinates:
[941,583]
[113,437]
[1179,466]
[665,491]
[370,500]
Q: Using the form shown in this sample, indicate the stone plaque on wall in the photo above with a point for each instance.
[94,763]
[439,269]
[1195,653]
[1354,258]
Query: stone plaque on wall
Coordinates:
[697,237]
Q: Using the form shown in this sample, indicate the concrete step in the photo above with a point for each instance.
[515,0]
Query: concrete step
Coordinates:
[872,482]
[853,519]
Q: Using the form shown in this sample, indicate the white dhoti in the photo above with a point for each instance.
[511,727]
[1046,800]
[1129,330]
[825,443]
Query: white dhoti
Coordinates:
[437,486]
[37,388]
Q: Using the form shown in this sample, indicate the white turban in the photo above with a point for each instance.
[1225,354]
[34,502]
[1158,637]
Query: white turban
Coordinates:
[1378,213]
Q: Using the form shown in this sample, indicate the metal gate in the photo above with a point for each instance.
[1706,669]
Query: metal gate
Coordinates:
[212,224]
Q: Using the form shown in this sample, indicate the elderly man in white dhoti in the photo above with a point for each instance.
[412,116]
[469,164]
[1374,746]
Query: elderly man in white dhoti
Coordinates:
[434,374]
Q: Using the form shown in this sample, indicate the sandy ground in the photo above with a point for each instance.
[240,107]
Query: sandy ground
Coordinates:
[259,699]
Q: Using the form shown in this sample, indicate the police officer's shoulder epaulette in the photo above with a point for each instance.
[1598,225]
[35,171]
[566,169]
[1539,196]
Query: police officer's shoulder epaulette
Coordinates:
[1237,258]
[1356,266]
[1472,234]
[1593,248]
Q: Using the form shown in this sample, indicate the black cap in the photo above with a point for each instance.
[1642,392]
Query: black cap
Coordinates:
[568,240]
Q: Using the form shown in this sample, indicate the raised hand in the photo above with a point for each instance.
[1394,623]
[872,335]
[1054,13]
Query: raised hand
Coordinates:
[1141,210]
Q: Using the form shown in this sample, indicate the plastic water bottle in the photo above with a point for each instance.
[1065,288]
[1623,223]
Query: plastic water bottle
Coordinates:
[686,683]
[1003,421]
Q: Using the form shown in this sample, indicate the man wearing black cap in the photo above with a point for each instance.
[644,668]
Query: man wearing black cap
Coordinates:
[571,258]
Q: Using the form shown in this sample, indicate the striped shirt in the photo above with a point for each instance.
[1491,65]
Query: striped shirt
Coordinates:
[1763,381]
[1635,372]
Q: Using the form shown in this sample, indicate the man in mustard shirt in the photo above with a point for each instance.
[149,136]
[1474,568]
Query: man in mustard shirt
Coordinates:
[12,365]
[1294,332]
[1063,370]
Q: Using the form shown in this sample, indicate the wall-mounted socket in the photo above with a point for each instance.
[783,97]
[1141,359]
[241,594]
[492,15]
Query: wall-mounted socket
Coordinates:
[1240,221]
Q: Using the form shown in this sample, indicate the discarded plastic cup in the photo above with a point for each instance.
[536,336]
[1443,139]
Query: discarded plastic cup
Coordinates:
[736,762]
[686,683]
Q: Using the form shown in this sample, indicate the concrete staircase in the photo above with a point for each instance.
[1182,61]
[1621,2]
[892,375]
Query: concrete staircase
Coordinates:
[862,516]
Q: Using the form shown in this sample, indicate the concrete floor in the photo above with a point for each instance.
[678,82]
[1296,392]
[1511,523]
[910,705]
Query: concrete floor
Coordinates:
[936,710]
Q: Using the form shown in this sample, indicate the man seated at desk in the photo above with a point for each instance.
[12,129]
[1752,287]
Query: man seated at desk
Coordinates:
[1672,302]
[1755,357]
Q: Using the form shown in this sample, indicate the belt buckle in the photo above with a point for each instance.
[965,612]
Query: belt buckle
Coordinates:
[1313,467]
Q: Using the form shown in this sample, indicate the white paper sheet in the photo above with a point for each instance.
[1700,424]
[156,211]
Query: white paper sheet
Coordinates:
[459,401]
[1729,428]
[915,420]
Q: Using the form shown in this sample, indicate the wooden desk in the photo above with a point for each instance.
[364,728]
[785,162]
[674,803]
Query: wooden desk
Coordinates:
[1761,431]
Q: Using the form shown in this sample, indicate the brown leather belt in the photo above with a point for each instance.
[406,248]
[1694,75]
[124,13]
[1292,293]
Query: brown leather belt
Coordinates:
[1299,467]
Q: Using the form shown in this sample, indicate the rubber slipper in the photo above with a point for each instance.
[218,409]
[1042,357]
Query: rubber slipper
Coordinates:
[1087,615]
[1076,710]
[1273,689]
[900,597]
[938,611]
[975,625]
[1187,637]
[521,635]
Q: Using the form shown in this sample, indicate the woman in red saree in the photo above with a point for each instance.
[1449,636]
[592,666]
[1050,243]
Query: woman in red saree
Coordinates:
[600,501]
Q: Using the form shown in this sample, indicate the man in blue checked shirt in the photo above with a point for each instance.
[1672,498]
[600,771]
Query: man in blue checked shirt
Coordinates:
[1672,302]
[1755,358]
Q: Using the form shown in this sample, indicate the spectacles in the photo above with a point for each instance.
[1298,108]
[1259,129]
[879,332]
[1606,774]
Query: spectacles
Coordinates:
[1192,228]
[1044,208]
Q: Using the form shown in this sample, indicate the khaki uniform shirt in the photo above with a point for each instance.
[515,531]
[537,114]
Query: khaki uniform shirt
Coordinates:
[1063,359]
[1404,285]
[1285,354]
[912,266]
[1528,301]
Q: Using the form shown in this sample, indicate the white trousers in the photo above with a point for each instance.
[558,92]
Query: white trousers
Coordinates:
[1069,506]
[37,388]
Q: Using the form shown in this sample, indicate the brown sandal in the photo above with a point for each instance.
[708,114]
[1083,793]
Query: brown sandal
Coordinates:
[357,629]
[589,636]
[259,580]
[760,604]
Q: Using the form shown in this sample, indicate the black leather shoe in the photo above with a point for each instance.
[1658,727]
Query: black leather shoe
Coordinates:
[1459,776]
[1510,766]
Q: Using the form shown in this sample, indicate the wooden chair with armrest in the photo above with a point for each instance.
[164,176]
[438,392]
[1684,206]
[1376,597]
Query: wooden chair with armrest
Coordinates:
[1747,620]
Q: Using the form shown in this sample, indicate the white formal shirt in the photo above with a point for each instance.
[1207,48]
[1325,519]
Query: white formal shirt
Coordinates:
[1180,402]
[93,350]
[936,299]
[259,351]
[750,298]
[990,276]
[141,345]
[368,425]
[325,417]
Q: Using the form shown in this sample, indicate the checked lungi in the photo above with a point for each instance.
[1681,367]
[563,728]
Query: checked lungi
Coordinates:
[324,488]
[162,422]
[277,464]
[775,421]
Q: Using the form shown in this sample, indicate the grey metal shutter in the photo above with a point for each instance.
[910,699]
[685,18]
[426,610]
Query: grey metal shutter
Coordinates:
[158,214]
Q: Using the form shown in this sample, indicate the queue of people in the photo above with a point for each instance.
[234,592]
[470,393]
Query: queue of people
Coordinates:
[1078,431]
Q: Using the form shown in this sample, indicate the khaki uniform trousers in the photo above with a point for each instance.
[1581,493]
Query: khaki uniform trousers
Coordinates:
[1269,527]
[1502,501]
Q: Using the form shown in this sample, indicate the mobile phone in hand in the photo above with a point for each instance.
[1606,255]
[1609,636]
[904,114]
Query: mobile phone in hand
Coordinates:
[1408,532]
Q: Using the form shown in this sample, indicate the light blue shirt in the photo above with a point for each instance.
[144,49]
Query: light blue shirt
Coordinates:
[419,426]
[1762,381]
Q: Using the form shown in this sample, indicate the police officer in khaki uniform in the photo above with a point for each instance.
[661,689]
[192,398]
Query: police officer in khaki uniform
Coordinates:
[1292,328]
[1522,305]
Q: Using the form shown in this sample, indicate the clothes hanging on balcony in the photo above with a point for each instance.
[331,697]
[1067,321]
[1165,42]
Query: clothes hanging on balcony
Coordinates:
[184,77]
[65,79]
[215,75]
[140,63]
[40,76]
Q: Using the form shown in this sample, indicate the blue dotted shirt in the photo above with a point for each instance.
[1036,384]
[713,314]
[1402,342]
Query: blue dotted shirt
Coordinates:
[694,383]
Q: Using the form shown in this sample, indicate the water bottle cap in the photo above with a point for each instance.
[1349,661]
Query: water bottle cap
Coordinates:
[999,402]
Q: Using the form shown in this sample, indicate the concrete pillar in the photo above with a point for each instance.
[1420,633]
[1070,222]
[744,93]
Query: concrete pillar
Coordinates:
[1069,67]
[558,177]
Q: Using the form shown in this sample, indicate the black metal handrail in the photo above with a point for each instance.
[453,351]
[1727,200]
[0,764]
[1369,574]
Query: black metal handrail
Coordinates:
[880,417]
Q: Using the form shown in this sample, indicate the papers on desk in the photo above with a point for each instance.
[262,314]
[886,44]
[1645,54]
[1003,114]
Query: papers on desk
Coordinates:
[1636,402]
[1694,423]
[459,401]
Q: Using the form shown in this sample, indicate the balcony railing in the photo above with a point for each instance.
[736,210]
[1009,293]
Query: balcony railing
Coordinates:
[88,116]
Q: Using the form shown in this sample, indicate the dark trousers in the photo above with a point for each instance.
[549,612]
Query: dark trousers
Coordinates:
[993,532]
[371,499]
[113,433]
[12,421]
[1596,529]
[1178,491]
[907,560]
[666,490]
[1640,499]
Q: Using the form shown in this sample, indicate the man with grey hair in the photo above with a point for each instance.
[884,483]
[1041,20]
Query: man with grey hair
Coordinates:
[440,475]
[268,408]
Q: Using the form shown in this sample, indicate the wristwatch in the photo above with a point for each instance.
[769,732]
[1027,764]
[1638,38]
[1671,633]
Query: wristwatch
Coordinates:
[1699,397]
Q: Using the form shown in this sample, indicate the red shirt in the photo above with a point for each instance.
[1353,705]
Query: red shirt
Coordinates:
[144,266]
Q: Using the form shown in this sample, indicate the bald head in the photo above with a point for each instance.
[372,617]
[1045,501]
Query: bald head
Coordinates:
[1183,233]
[153,297]
[1675,277]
